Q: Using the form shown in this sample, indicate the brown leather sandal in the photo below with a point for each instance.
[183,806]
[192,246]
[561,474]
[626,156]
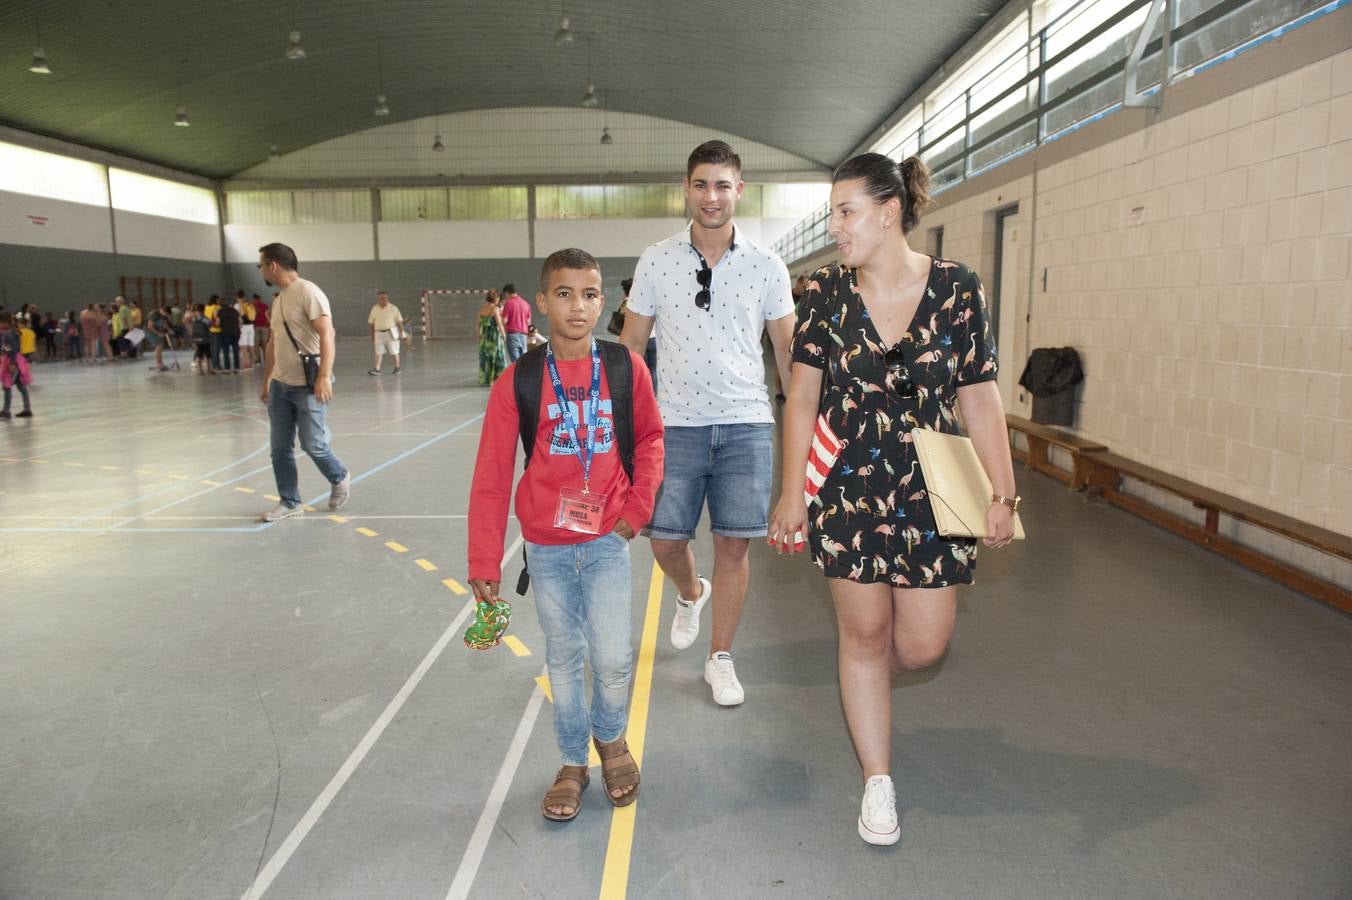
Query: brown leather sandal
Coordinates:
[618,770]
[566,792]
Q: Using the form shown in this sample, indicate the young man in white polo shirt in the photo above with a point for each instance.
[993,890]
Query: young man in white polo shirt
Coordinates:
[712,292]
[387,324]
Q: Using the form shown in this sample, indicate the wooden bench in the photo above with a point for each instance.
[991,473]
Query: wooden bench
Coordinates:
[1039,438]
[1104,471]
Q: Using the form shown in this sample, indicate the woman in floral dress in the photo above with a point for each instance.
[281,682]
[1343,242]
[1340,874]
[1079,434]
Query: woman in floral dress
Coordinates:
[492,340]
[889,341]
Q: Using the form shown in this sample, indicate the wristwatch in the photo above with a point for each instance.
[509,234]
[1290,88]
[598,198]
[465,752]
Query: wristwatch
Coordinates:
[1011,502]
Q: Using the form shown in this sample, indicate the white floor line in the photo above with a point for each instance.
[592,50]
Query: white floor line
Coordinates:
[488,819]
[375,428]
[293,840]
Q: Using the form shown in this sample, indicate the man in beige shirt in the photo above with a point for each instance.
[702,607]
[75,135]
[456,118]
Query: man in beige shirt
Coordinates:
[302,331]
[387,324]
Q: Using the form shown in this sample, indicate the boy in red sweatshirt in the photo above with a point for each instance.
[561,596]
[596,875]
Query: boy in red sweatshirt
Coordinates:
[578,508]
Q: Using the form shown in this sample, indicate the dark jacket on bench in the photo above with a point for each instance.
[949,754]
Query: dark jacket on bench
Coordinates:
[1051,376]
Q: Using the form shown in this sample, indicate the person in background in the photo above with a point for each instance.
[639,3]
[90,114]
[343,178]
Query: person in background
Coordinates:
[105,342]
[13,368]
[128,316]
[28,340]
[176,327]
[650,353]
[115,326]
[262,329]
[297,396]
[89,333]
[535,339]
[227,317]
[199,327]
[492,335]
[387,326]
[160,334]
[516,321]
[214,328]
[246,329]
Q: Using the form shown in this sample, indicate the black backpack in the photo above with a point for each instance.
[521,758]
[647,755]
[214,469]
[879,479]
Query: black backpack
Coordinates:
[527,378]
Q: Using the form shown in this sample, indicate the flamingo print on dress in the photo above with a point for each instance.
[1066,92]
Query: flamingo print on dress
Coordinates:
[874,523]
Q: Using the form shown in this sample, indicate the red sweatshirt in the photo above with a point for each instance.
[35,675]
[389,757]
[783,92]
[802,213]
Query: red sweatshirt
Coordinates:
[555,464]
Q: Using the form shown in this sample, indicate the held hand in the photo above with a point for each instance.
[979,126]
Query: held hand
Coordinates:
[324,390]
[788,524]
[486,591]
[999,526]
[623,530]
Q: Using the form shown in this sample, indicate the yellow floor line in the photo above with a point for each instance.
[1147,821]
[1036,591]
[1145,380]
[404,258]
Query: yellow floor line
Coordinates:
[309,508]
[265,496]
[426,566]
[339,519]
[179,477]
[71,464]
[368,532]
[456,587]
[38,460]
[244,490]
[144,472]
[396,546]
[543,682]
[210,482]
[615,876]
[110,468]
[514,644]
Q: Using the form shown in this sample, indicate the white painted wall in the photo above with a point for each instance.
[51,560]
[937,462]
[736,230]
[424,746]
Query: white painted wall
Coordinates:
[454,240]
[41,222]
[142,235]
[312,243]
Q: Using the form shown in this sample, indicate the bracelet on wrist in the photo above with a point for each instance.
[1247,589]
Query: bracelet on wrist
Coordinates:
[1011,502]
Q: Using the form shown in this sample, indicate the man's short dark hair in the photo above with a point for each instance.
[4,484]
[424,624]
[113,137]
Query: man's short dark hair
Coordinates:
[239,293]
[256,297]
[571,258]
[282,255]
[719,153]
[508,289]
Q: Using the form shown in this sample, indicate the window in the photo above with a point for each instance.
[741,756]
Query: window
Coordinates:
[40,174]
[152,196]
[258,207]
[611,201]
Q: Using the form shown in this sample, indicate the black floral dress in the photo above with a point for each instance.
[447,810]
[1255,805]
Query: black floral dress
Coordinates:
[871,520]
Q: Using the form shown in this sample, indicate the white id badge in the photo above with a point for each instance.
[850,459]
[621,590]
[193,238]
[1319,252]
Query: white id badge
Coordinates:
[580,511]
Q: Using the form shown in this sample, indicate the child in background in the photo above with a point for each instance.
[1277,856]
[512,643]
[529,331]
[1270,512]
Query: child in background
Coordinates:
[13,367]
[593,465]
[28,339]
[200,329]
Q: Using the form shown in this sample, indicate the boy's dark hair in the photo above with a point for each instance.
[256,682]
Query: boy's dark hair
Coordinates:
[256,297]
[720,153]
[627,285]
[240,293]
[508,289]
[569,258]
[282,255]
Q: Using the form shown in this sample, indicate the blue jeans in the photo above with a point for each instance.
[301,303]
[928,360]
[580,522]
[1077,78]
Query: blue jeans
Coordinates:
[730,465]
[516,345]
[583,598]
[293,409]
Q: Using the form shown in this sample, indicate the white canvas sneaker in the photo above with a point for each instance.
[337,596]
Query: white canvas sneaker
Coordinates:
[878,814]
[281,511]
[722,677]
[685,625]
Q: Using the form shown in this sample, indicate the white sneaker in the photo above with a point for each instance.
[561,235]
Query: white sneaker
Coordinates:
[685,626]
[878,814]
[281,511]
[722,677]
[339,492]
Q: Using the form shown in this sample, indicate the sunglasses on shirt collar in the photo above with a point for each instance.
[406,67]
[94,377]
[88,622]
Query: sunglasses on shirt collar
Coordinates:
[898,377]
[705,277]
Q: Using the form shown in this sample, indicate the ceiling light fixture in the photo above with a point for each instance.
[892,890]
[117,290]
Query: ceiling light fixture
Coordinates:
[564,36]
[39,65]
[293,48]
[438,146]
[606,139]
[181,118]
[382,108]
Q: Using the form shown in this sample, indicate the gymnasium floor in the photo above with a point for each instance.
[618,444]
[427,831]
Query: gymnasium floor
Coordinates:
[197,706]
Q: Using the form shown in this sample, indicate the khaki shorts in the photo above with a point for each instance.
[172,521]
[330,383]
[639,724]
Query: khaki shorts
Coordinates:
[387,342]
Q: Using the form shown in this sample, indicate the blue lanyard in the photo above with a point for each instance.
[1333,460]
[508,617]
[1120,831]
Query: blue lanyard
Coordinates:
[566,411]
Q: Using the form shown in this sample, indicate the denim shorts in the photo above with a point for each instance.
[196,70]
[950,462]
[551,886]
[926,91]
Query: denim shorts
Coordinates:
[731,465]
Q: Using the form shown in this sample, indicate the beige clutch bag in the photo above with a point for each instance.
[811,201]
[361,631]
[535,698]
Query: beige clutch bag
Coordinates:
[959,489]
